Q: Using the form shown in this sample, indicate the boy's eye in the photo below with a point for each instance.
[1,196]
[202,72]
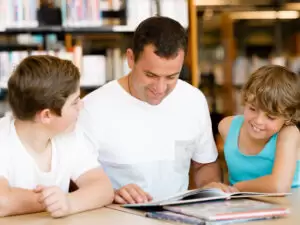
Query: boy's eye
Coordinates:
[252,108]
[271,117]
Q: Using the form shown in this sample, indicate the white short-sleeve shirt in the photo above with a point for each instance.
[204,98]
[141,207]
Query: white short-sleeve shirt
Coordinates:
[151,146]
[69,160]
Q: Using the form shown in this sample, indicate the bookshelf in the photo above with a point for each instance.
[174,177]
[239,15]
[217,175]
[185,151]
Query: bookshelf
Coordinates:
[88,34]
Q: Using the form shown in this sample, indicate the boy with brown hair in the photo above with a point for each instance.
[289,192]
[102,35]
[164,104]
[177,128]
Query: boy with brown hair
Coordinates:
[39,153]
[262,145]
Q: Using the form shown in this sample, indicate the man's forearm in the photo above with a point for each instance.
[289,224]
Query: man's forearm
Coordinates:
[206,174]
[17,201]
[93,196]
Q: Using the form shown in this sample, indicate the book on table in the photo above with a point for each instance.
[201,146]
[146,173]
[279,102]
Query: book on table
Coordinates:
[201,195]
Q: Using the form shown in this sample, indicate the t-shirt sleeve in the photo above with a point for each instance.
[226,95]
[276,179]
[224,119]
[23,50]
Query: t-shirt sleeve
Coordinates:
[87,131]
[205,147]
[4,166]
[4,158]
[83,160]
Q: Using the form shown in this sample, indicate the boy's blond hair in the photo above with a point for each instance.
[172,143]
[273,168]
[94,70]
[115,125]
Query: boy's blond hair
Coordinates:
[275,90]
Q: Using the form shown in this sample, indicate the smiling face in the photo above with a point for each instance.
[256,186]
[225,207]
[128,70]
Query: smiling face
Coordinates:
[271,98]
[259,124]
[153,77]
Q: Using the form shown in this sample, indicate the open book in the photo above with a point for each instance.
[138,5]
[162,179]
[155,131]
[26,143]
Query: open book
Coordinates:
[201,195]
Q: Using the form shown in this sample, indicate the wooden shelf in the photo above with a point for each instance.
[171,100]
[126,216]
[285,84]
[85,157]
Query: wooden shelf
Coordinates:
[105,29]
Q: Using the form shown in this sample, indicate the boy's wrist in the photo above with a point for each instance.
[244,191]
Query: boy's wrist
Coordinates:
[71,204]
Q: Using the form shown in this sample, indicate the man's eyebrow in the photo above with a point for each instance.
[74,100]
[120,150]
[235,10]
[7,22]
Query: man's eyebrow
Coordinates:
[149,72]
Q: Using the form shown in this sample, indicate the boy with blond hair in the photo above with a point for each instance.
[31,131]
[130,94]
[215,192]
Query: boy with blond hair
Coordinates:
[262,145]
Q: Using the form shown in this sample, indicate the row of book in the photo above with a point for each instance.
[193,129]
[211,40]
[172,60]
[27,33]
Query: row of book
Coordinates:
[110,66]
[89,13]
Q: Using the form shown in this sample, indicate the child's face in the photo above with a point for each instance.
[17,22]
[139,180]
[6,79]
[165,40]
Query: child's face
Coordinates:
[259,124]
[69,114]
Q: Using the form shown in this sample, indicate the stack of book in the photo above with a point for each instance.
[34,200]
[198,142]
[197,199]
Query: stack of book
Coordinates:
[213,206]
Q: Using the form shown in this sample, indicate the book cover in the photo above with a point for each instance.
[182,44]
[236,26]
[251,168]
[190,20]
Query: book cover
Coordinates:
[230,210]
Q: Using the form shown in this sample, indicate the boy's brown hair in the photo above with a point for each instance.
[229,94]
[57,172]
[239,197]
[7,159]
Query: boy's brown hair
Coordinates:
[41,82]
[275,90]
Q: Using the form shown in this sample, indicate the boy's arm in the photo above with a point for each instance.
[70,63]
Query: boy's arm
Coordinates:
[224,126]
[94,191]
[16,201]
[288,143]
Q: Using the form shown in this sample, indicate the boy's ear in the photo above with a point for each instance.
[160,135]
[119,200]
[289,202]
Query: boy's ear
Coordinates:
[44,116]
[288,123]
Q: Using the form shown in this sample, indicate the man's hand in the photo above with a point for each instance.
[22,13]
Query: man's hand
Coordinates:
[55,200]
[130,194]
[223,187]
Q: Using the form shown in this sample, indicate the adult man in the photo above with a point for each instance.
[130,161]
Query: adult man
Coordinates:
[147,126]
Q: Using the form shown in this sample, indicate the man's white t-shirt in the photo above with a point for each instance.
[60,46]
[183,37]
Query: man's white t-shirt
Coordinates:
[151,146]
[69,160]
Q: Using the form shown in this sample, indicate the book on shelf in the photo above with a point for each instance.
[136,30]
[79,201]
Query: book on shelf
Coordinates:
[88,13]
[95,70]
[201,195]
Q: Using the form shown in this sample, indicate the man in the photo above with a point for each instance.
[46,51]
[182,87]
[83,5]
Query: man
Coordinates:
[147,126]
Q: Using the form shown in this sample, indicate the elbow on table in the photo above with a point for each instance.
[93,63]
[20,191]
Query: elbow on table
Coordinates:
[110,196]
[5,207]
[279,187]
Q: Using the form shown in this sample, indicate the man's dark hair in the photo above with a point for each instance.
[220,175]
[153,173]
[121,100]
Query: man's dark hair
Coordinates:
[164,33]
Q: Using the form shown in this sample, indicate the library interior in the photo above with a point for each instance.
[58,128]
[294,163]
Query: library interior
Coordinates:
[228,43]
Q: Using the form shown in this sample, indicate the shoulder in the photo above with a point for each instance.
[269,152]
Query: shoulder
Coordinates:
[5,136]
[290,133]
[190,97]
[224,126]
[102,93]
[186,89]
[5,126]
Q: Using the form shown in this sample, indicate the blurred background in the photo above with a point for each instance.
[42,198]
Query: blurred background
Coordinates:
[228,39]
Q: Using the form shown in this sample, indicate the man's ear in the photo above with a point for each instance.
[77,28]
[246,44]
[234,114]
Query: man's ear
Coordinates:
[130,58]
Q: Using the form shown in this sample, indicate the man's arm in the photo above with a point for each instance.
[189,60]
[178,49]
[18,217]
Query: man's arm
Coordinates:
[17,201]
[94,191]
[203,174]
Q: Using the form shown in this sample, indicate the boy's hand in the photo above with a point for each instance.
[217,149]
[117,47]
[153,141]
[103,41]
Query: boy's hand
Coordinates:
[223,187]
[130,194]
[55,200]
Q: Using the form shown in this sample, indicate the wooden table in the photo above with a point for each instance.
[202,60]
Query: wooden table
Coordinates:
[115,215]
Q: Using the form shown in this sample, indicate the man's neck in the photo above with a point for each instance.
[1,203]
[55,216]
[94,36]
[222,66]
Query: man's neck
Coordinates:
[33,136]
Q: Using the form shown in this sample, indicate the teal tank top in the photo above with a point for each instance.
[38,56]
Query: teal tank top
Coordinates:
[243,167]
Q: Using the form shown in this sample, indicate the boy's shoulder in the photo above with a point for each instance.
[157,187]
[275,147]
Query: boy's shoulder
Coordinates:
[5,126]
[5,136]
[224,125]
[290,131]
